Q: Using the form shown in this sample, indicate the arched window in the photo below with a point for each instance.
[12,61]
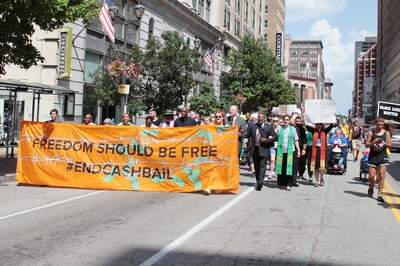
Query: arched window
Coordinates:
[151,28]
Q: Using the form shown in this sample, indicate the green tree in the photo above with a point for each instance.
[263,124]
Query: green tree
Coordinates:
[165,76]
[205,102]
[18,19]
[168,68]
[264,86]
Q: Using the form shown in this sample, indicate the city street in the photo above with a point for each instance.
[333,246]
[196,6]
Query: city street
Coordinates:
[337,224]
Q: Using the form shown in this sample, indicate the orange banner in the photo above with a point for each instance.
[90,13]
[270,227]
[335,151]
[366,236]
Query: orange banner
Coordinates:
[184,159]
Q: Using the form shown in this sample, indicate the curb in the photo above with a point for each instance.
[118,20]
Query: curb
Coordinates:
[8,178]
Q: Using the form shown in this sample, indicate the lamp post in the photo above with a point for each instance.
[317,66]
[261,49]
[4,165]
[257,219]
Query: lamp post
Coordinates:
[247,71]
[139,12]
[196,43]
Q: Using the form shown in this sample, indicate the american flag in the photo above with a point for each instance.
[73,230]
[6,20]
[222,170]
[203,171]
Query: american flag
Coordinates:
[106,21]
[209,59]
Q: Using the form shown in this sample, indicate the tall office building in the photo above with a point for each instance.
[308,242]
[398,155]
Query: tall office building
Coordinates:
[388,53]
[305,69]
[274,26]
[365,73]
[360,47]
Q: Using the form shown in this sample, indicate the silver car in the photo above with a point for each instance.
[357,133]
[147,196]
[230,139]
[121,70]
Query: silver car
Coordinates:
[396,139]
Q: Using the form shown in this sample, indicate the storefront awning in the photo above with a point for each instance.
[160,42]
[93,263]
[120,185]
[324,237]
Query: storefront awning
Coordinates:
[24,86]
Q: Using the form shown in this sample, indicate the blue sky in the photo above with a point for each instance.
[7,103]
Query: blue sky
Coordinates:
[338,24]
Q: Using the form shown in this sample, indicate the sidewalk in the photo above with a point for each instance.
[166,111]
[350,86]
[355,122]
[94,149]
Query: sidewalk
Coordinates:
[7,167]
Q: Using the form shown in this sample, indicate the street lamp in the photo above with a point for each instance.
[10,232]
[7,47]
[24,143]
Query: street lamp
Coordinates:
[197,43]
[241,72]
[139,12]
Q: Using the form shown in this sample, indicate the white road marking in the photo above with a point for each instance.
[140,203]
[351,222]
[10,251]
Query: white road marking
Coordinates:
[156,257]
[50,205]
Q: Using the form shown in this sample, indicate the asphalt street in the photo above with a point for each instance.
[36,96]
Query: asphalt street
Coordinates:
[337,224]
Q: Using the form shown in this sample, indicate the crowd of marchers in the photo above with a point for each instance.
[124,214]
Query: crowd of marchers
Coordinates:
[286,143]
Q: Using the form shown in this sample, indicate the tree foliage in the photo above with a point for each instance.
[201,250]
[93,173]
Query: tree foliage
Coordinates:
[18,19]
[205,102]
[168,69]
[166,75]
[264,85]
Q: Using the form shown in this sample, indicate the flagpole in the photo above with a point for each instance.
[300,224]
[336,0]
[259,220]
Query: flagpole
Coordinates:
[209,52]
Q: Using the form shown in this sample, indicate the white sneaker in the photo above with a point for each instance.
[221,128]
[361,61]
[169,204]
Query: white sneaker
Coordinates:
[289,188]
[207,191]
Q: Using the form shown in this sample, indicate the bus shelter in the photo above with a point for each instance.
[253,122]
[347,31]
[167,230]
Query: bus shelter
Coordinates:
[15,87]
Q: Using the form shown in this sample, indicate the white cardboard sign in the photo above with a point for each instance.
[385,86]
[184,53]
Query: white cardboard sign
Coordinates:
[320,111]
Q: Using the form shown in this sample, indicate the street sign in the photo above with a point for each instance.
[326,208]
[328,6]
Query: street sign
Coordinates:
[123,89]
[389,111]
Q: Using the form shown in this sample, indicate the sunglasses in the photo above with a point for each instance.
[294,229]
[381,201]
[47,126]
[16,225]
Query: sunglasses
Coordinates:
[275,120]
[218,116]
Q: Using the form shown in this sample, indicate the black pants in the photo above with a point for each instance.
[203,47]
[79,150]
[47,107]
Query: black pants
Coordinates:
[308,155]
[283,178]
[302,164]
[260,166]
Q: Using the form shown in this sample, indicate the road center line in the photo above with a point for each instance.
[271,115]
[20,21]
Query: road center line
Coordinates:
[50,205]
[156,257]
[392,201]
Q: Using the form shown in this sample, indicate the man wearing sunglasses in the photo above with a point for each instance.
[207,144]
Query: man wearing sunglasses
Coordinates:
[262,137]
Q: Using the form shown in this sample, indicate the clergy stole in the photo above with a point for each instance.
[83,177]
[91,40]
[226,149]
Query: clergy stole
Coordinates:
[279,158]
[321,136]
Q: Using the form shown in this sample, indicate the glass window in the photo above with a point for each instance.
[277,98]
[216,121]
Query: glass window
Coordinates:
[131,33]
[237,27]
[246,11]
[293,58]
[92,62]
[254,19]
[69,105]
[151,28]
[201,8]
[238,6]
[208,11]
[293,71]
[303,58]
[227,20]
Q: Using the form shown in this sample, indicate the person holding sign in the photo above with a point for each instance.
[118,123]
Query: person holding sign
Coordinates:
[318,151]
[378,141]
[54,116]
[288,148]
[262,137]
[126,120]
[88,120]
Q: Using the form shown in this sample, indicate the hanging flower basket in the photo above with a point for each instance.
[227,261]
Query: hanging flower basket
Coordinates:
[241,99]
[117,68]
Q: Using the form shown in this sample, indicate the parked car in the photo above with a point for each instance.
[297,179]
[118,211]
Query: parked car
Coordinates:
[396,139]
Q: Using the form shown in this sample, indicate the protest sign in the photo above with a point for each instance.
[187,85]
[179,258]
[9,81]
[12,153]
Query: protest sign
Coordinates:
[389,111]
[181,159]
[320,111]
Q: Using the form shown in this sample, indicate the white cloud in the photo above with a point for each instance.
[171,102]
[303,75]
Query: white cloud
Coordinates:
[337,56]
[338,61]
[300,10]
